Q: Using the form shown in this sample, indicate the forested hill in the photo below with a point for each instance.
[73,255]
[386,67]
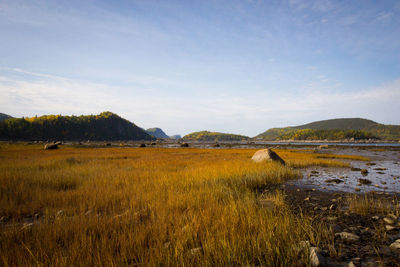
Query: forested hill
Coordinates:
[4,117]
[214,136]
[105,126]
[335,129]
[342,124]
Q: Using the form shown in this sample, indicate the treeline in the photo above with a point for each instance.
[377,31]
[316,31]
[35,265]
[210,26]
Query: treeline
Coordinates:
[310,134]
[214,136]
[105,126]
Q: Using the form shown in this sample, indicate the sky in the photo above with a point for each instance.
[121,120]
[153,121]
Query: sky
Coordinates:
[229,66]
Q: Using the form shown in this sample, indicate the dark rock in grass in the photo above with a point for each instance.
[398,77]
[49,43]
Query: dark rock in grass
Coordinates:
[184,145]
[267,155]
[355,169]
[364,172]
[336,181]
[364,181]
[50,146]
[142,145]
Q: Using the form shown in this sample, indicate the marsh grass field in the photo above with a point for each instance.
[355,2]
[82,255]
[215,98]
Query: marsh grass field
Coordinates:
[152,206]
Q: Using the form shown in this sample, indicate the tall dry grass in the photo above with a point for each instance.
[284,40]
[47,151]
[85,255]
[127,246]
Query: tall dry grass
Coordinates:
[130,206]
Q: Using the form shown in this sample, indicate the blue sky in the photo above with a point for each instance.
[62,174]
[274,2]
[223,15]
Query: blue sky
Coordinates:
[229,66]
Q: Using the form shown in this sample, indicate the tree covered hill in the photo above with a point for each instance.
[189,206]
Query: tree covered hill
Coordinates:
[335,129]
[157,133]
[214,136]
[4,117]
[105,126]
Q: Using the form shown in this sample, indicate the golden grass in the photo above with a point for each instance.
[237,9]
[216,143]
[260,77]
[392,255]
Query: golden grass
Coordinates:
[123,206]
[368,204]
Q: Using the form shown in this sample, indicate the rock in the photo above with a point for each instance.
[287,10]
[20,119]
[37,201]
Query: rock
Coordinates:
[364,172]
[50,146]
[364,181]
[336,181]
[307,199]
[267,155]
[389,227]
[395,245]
[375,218]
[389,220]
[348,237]
[316,259]
[184,145]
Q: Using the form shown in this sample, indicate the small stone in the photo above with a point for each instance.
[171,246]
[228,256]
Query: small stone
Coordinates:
[348,237]
[395,245]
[316,259]
[375,218]
[388,220]
[364,171]
[364,181]
[389,227]
[307,199]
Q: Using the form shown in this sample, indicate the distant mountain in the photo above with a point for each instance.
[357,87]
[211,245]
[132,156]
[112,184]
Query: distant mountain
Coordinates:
[176,136]
[214,136]
[335,129]
[4,117]
[105,126]
[157,133]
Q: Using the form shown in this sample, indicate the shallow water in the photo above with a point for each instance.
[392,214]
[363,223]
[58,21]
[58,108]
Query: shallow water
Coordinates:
[384,175]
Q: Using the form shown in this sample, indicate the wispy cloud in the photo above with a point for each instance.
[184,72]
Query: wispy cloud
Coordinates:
[245,114]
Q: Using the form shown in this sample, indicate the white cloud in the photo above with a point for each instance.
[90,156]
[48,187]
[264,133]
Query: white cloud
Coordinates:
[247,114]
